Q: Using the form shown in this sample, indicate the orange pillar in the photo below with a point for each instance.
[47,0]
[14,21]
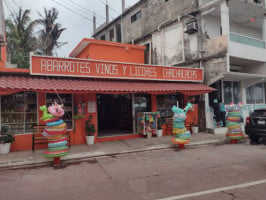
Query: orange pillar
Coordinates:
[3,57]
[185,100]
[153,102]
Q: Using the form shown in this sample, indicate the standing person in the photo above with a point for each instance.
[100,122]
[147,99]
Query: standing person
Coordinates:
[222,112]
[217,113]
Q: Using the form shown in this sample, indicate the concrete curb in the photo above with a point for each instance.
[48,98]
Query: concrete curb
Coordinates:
[83,157]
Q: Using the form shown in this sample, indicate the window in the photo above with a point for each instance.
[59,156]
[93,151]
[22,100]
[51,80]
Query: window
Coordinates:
[165,104]
[136,16]
[216,94]
[111,35]
[118,32]
[142,103]
[67,100]
[102,37]
[19,112]
[236,92]
[231,92]
[257,1]
[255,94]
[147,54]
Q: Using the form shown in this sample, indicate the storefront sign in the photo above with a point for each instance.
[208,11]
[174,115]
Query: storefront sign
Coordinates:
[52,66]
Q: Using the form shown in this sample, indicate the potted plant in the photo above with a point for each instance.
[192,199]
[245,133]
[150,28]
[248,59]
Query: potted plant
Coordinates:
[160,122]
[5,140]
[90,130]
[194,126]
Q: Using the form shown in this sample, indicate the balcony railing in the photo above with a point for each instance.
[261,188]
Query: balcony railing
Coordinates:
[234,37]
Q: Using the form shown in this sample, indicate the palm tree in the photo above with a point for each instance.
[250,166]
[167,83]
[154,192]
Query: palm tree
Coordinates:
[50,33]
[20,38]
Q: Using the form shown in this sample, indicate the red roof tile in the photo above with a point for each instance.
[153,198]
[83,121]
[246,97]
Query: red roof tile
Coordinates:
[71,85]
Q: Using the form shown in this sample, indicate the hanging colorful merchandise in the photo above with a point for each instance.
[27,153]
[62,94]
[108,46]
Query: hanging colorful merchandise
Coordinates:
[147,123]
[55,132]
[182,135]
[234,132]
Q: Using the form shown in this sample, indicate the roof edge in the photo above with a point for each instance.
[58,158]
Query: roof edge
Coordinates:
[83,42]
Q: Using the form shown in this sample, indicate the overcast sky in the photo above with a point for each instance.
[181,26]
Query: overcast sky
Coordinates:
[75,15]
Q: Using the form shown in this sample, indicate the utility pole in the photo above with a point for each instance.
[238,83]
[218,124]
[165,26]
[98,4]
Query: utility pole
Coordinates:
[2,19]
[94,23]
[123,9]
[107,12]
[2,36]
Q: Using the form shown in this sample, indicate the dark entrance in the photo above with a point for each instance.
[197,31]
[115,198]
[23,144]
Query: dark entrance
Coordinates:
[114,114]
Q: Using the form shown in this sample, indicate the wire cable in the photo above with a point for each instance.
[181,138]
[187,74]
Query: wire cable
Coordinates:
[12,13]
[15,3]
[86,9]
[72,10]
[77,9]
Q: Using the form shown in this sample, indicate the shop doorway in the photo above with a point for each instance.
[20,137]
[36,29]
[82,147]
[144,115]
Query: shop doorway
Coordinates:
[114,114]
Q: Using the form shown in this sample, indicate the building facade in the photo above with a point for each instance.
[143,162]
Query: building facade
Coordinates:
[225,38]
[113,86]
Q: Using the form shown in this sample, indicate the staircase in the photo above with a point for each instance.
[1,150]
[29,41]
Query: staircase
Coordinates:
[218,131]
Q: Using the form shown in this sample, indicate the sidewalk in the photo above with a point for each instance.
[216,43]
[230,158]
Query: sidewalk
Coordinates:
[78,153]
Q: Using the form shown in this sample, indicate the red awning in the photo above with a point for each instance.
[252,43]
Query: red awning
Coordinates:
[14,83]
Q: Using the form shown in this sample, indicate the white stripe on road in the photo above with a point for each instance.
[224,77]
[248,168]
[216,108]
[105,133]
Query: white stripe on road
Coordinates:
[215,190]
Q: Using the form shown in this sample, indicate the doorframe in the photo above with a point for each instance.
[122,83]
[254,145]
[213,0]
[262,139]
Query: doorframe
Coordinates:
[133,113]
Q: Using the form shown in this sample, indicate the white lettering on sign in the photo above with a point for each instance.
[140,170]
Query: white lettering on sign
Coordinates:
[92,68]
[124,69]
[105,69]
[84,68]
[65,66]
[143,71]
[179,73]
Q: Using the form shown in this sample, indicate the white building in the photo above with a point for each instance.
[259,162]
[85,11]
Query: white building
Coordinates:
[241,27]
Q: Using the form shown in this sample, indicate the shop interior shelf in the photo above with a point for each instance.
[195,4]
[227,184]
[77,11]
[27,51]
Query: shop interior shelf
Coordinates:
[12,112]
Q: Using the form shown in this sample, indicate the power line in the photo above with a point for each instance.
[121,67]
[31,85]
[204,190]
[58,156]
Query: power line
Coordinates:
[15,3]
[76,9]
[10,10]
[111,8]
[104,3]
[85,9]
[72,10]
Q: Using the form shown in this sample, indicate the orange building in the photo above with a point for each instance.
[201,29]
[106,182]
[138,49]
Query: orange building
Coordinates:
[107,80]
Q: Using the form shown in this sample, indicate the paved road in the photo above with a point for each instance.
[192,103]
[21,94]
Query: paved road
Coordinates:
[201,173]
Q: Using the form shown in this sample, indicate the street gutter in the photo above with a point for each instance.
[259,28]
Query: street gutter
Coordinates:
[85,157]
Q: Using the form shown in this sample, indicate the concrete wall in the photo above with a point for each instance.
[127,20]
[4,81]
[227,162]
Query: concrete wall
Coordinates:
[246,30]
[112,51]
[239,50]
[213,68]
[152,17]
[191,46]
[203,2]
[255,69]
[216,46]
[211,25]
[167,45]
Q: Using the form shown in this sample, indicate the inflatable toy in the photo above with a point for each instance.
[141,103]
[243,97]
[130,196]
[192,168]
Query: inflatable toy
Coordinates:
[58,131]
[57,144]
[182,135]
[56,110]
[55,132]
[45,115]
[51,120]
[234,132]
[55,123]
[55,154]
